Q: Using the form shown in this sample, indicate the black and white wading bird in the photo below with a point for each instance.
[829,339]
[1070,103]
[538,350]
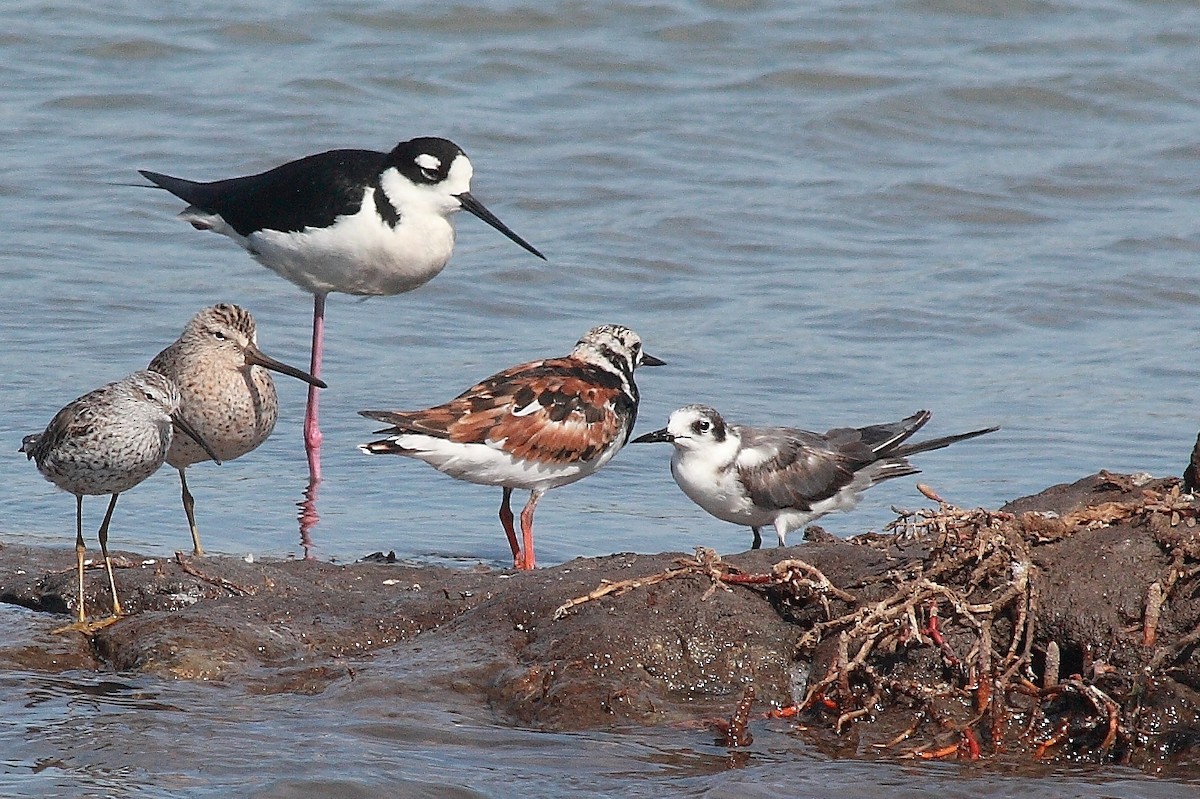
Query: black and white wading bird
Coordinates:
[781,475]
[352,221]
[536,426]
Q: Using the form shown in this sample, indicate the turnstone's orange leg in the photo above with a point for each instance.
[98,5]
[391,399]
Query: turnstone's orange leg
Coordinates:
[506,519]
[527,560]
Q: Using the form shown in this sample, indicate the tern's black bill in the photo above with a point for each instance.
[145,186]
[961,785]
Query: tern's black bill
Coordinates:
[469,203]
[650,360]
[654,438]
[255,357]
[194,436]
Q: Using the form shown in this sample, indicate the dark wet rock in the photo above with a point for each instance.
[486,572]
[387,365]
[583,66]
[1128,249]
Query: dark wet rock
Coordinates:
[844,628]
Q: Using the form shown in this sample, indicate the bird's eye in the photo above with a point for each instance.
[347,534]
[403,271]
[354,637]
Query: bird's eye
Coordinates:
[219,336]
[148,395]
[429,174]
[702,426]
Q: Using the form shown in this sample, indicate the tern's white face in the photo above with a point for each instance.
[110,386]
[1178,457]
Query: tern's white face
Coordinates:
[701,430]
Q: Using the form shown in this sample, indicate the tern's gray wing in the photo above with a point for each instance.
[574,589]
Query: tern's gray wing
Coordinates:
[782,467]
[881,439]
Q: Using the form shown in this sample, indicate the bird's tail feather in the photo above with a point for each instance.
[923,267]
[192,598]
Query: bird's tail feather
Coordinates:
[385,446]
[937,443]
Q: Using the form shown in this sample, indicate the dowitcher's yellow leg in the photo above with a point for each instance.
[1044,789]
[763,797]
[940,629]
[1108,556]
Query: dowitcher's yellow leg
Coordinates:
[112,583]
[189,507]
[81,624]
[80,549]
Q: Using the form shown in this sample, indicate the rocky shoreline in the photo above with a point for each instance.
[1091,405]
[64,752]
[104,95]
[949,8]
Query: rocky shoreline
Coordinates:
[1063,627]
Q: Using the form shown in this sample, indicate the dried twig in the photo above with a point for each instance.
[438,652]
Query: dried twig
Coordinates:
[220,582]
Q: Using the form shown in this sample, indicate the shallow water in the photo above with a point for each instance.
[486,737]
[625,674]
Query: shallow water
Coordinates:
[818,216]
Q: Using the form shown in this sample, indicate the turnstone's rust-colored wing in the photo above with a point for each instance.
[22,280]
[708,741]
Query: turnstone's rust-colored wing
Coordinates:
[551,411]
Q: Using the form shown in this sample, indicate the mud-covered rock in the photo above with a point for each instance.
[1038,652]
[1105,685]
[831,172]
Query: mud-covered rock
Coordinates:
[1062,626]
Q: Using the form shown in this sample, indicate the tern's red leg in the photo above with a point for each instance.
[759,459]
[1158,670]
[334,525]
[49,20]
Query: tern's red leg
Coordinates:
[312,432]
[506,519]
[527,559]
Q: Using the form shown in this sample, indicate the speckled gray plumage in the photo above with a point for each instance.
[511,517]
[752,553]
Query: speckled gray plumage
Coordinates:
[110,439]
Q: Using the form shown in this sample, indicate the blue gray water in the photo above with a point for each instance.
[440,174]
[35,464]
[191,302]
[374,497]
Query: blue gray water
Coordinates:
[820,215]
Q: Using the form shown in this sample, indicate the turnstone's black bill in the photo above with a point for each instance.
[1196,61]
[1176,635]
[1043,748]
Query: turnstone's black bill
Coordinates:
[351,221]
[225,390]
[106,442]
[781,475]
[536,426]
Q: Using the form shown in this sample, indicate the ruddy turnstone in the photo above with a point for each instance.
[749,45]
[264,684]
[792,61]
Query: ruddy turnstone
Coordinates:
[536,426]
[352,221]
[227,394]
[781,475]
[106,442]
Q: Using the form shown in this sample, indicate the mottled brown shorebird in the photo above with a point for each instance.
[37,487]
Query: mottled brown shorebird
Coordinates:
[106,442]
[227,393]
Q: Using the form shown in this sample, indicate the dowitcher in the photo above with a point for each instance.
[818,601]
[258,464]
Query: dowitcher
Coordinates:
[107,442]
[227,393]
[536,426]
[352,221]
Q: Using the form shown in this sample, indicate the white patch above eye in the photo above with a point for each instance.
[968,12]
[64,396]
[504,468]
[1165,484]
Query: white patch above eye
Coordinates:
[427,161]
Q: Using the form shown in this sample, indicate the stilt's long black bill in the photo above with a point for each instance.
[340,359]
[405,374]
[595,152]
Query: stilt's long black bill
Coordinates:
[194,436]
[255,356]
[469,203]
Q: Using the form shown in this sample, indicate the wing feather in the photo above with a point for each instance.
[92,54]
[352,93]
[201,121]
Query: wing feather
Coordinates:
[555,410]
[310,192]
[787,468]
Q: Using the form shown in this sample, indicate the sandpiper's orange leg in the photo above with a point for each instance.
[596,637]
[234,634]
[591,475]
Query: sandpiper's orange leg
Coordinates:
[506,519]
[527,559]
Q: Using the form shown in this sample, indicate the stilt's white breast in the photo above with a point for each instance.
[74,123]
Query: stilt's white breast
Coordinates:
[359,254]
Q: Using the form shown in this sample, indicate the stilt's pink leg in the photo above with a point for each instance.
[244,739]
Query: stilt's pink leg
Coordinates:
[312,430]
[527,559]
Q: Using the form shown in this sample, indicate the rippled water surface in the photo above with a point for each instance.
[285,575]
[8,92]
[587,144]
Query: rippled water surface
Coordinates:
[818,214]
